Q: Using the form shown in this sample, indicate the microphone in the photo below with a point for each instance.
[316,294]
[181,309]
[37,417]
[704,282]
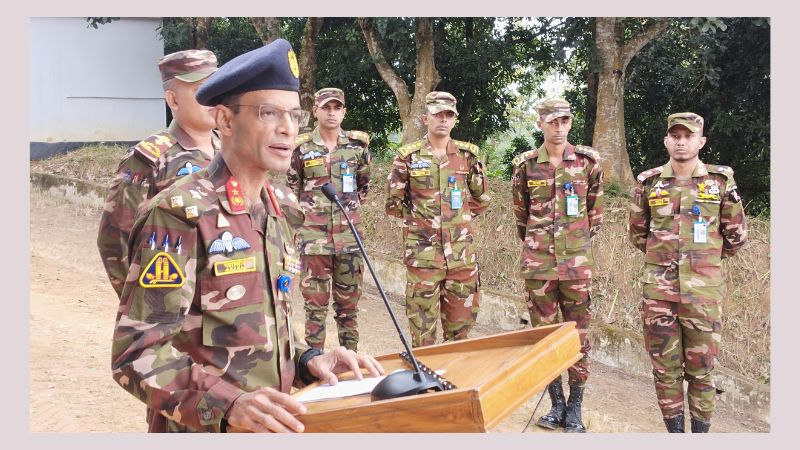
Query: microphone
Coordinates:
[399,384]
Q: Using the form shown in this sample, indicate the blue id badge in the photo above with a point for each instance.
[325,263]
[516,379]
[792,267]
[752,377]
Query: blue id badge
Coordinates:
[348,183]
[572,205]
[700,232]
[455,199]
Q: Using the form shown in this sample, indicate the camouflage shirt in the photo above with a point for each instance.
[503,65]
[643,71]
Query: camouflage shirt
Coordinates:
[663,212]
[204,321]
[557,246]
[326,231]
[148,168]
[420,190]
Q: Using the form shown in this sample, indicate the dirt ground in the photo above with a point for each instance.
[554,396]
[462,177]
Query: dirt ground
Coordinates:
[72,310]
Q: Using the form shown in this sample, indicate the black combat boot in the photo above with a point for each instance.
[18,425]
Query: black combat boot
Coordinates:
[698,426]
[675,424]
[573,423]
[555,418]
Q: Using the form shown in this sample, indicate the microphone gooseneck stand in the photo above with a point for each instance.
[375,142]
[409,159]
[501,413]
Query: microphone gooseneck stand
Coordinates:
[399,384]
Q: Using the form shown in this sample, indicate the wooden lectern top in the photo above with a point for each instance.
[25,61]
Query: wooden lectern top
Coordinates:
[494,375]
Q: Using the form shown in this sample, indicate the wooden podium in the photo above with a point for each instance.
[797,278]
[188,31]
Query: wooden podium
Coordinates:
[494,375]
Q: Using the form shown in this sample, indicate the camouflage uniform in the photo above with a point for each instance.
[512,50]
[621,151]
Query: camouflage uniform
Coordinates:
[682,280]
[557,260]
[439,251]
[204,320]
[149,167]
[327,244]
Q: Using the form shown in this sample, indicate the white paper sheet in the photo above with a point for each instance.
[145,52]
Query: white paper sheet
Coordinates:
[349,388]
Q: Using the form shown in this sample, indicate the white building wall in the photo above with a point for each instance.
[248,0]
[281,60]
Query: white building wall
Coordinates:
[95,84]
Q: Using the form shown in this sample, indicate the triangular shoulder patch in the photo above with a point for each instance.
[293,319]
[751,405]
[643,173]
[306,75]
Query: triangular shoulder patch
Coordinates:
[358,136]
[525,156]
[154,146]
[409,149]
[161,272]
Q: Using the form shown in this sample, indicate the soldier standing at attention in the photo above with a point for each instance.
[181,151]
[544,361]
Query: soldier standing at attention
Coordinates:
[204,337]
[685,216]
[436,185]
[328,246]
[558,205]
[186,146]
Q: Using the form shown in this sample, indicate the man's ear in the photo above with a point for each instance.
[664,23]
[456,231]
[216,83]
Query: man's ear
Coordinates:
[172,99]
[222,117]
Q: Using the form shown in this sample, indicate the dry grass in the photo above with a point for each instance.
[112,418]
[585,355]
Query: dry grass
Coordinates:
[616,288]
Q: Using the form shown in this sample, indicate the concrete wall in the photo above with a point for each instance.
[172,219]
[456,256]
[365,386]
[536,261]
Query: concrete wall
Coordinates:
[89,85]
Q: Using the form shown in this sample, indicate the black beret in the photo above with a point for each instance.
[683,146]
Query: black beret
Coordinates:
[273,66]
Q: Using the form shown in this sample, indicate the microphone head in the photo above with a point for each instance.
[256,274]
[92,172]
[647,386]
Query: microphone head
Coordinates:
[330,191]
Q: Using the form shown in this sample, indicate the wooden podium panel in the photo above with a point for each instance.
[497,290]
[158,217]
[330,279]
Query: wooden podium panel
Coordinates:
[494,375]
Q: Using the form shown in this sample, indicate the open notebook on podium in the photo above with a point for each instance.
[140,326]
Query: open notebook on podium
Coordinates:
[493,376]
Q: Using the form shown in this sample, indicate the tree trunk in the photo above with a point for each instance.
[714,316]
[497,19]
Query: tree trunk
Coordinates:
[198,31]
[427,77]
[307,61]
[615,54]
[267,28]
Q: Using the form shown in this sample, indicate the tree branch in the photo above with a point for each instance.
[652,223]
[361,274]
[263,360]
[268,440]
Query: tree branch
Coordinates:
[396,84]
[636,43]
[267,28]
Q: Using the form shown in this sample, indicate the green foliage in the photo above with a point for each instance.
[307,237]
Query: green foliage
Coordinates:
[94,21]
[515,147]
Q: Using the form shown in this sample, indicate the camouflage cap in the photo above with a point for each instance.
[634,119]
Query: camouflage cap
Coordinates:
[437,102]
[187,65]
[327,94]
[553,108]
[692,121]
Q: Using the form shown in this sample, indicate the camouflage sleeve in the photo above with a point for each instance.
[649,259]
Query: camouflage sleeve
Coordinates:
[293,174]
[733,223]
[521,199]
[397,202]
[124,198]
[594,199]
[144,360]
[478,199]
[363,176]
[639,219]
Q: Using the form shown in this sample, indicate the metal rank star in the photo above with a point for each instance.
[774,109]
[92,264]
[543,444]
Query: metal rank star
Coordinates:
[292,264]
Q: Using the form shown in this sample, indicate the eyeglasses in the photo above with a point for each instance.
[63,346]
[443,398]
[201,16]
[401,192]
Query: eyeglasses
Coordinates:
[273,114]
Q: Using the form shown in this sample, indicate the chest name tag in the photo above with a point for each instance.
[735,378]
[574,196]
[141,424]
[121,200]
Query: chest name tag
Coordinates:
[537,183]
[235,266]
[700,232]
[658,201]
[348,183]
[572,205]
[455,199]
[314,162]
[420,173]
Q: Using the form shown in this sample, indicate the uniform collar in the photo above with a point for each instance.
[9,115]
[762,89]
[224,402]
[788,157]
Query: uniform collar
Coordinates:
[428,150]
[316,137]
[699,170]
[186,141]
[569,154]
[219,174]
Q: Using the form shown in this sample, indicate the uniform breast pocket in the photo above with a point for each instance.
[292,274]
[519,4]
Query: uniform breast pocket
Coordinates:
[663,216]
[233,310]
[315,169]
[158,294]
[709,212]
[541,200]
[581,191]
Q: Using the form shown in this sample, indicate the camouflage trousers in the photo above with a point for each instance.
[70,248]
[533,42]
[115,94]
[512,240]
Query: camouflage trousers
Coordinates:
[454,291]
[347,271]
[546,297]
[683,340]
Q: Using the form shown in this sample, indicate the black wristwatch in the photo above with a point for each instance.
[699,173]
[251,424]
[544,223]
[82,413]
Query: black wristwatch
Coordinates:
[303,373]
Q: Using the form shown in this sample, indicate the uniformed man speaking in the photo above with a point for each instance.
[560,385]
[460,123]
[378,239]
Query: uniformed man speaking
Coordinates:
[685,216]
[558,206]
[436,185]
[205,337]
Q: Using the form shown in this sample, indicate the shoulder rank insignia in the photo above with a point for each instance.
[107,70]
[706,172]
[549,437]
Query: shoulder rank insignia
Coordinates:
[525,156]
[408,149]
[472,148]
[302,139]
[359,136]
[235,198]
[227,244]
[156,144]
[161,272]
[187,169]
[588,151]
[176,202]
